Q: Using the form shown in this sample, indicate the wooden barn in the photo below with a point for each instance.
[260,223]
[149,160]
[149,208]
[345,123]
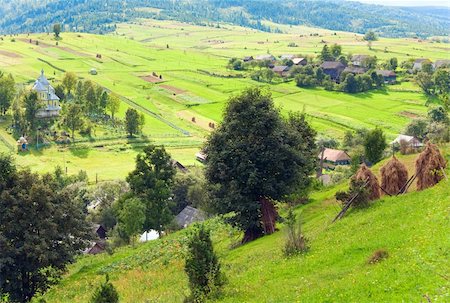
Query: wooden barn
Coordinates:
[333,69]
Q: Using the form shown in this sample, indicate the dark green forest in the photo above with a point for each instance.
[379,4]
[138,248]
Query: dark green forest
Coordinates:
[100,16]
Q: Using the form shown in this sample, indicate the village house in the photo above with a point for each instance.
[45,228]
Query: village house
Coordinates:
[410,141]
[188,216]
[247,58]
[334,157]
[300,61]
[417,66]
[333,69]
[356,70]
[201,156]
[47,97]
[441,64]
[358,60]
[282,71]
[179,166]
[287,57]
[266,57]
[389,77]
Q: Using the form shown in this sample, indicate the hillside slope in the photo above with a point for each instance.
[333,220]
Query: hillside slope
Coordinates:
[21,16]
[412,228]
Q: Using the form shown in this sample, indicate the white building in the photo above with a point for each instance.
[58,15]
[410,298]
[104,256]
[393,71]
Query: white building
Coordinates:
[46,95]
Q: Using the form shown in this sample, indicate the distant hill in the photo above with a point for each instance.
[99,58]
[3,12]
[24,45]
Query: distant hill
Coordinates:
[100,16]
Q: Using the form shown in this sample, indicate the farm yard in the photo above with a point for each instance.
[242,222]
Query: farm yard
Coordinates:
[175,74]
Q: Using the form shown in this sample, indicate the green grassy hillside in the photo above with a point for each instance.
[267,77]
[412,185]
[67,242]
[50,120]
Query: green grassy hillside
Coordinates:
[191,60]
[412,228]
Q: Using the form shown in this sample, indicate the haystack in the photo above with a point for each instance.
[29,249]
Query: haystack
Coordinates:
[364,174]
[429,167]
[394,176]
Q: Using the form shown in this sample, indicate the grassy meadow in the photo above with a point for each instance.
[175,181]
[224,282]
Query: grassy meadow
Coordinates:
[192,61]
[335,269]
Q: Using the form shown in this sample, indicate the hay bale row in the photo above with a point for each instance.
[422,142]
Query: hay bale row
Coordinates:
[394,176]
[364,174]
[429,166]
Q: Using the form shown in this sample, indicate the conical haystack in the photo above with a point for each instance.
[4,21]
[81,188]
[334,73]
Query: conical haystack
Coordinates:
[429,167]
[394,176]
[364,174]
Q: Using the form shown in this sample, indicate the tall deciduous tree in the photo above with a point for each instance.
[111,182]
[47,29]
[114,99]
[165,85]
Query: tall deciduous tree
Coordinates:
[32,106]
[132,120]
[256,157]
[41,230]
[72,118]
[151,181]
[132,217]
[69,82]
[57,29]
[7,92]
[374,145]
[113,105]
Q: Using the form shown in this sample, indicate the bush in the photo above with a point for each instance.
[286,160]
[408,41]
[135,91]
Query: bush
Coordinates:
[106,293]
[377,256]
[295,243]
[356,188]
[202,266]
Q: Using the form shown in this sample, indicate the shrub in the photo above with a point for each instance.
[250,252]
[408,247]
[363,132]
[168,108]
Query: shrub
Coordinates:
[202,266]
[106,293]
[378,256]
[295,241]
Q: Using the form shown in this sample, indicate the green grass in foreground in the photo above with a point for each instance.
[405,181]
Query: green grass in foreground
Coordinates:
[412,228]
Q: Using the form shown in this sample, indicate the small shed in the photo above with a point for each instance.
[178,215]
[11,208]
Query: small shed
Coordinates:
[247,58]
[95,248]
[189,215]
[100,231]
[410,140]
[93,71]
[201,156]
[442,64]
[179,166]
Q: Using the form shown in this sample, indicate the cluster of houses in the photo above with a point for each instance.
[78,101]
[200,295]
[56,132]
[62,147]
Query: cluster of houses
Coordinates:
[281,70]
[357,66]
[418,63]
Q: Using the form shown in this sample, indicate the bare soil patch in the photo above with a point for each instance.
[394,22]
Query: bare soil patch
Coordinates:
[9,54]
[409,114]
[152,79]
[173,89]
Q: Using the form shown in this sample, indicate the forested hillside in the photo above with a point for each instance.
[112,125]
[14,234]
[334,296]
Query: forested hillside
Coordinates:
[98,16]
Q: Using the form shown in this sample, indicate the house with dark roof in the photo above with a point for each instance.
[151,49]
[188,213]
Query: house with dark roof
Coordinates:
[188,216]
[179,166]
[332,69]
[96,248]
[356,70]
[47,97]
[247,58]
[334,157]
[389,77]
[358,60]
[281,70]
[441,64]
[100,231]
[201,156]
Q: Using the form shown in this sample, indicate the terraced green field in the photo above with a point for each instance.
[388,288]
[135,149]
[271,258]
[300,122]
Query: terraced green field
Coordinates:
[186,56]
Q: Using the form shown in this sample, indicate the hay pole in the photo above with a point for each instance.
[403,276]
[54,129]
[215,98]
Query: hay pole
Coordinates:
[407,185]
[384,191]
[348,204]
[443,172]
